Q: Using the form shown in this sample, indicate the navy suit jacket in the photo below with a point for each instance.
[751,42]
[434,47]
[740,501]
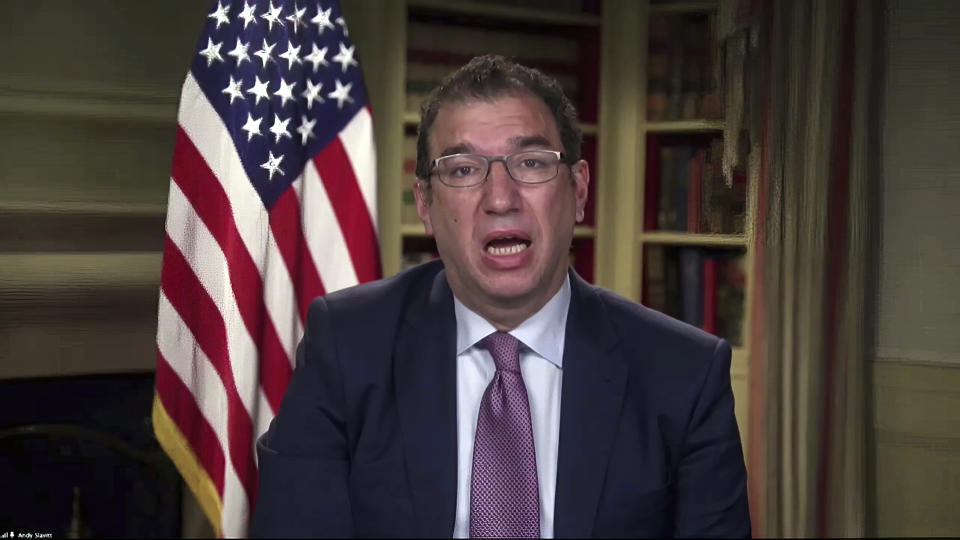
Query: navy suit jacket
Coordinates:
[365,441]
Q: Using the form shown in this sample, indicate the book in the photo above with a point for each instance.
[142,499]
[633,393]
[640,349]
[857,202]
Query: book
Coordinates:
[672,282]
[691,288]
[710,275]
[655,279]
[666,210]
[410,259]
[681,185]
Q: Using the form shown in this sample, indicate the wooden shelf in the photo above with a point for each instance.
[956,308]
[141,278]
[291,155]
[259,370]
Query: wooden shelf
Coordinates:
[412,119]
[687,239]
[410,230]
[24,272]
[692,6]
[583,231]
[83,208]
[91,105]
[684,126]
[489,10]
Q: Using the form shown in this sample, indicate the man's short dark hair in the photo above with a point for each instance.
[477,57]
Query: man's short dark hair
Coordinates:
[489,77]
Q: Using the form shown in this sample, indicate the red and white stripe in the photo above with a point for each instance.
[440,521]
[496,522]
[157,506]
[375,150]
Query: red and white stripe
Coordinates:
[237,281]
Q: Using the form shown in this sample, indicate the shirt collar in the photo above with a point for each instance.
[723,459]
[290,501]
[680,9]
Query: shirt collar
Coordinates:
[543,332]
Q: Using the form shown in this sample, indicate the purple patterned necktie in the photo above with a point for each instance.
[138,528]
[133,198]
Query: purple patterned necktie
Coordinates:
[504,495]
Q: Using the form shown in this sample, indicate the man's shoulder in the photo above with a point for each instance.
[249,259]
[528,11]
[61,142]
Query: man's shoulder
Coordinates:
[647,329]
[383,296]
[668,360]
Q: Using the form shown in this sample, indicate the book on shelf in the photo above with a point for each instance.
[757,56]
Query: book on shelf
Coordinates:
[691,285]
[701,286]
[434,50]
[710,275]
[410,259]
[666,210]
[655,279]
[683,67]
[566,6]
[685,189]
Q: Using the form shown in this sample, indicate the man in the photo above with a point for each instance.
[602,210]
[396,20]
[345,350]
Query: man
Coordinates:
[497,393]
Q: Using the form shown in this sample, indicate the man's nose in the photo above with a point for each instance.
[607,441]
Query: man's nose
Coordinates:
[501,192]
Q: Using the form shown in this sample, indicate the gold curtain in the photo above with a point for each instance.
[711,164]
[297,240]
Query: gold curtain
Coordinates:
[802,103]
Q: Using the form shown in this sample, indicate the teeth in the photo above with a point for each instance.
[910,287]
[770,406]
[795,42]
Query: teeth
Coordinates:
[509,250]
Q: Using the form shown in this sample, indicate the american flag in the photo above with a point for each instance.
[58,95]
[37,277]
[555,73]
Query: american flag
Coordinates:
[272,203]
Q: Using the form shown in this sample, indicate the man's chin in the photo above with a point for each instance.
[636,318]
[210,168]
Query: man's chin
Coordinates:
[511,288]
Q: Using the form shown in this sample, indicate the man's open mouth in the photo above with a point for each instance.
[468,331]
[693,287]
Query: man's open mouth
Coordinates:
[507,245]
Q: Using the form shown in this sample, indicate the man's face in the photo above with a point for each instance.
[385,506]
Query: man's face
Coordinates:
[505,245]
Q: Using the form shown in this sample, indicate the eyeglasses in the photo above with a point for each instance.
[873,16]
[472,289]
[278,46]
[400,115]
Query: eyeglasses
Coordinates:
[468,170]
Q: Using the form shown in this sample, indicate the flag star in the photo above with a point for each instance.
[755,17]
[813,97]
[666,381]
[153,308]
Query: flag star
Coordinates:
[297,18]
[240,52]
[318,57]
[343,23]
[252,127]
[273,165]
[212,52]
[306,129]
[235,89]
[284,92]
[292,56]
[341,93]
[345,57]
[220,15]
[259,89]
[266,53]
[248,14]
[279,129]
[312,93]
[273,16]
[322,20]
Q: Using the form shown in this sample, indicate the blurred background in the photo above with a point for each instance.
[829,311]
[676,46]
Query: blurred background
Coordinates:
[780,173]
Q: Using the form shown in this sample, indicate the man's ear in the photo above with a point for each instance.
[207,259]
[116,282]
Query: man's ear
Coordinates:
[423,193]
[581,180]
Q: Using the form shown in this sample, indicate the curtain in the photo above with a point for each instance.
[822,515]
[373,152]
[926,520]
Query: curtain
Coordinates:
[802,88]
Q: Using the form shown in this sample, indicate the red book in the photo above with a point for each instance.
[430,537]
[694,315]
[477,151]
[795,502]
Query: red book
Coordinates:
[710,295]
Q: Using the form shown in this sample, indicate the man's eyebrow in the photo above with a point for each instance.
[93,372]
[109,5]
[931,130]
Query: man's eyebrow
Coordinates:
[526,141]
[457,149]
[517,143]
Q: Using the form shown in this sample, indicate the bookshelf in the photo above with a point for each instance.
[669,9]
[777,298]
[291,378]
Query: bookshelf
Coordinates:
[688,211]
[684,126]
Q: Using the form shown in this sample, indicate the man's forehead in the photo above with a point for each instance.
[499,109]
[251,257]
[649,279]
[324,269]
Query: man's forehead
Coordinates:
[529,100]
[454,118]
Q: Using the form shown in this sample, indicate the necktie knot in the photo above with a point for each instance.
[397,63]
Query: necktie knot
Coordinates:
[505,350]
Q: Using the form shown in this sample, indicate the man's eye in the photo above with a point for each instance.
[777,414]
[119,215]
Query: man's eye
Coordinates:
[531,163]
[464,170]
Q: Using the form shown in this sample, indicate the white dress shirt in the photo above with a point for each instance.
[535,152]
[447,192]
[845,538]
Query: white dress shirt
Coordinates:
[541,363]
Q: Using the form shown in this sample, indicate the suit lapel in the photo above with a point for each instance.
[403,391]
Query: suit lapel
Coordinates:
[594,380]
[425,382]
